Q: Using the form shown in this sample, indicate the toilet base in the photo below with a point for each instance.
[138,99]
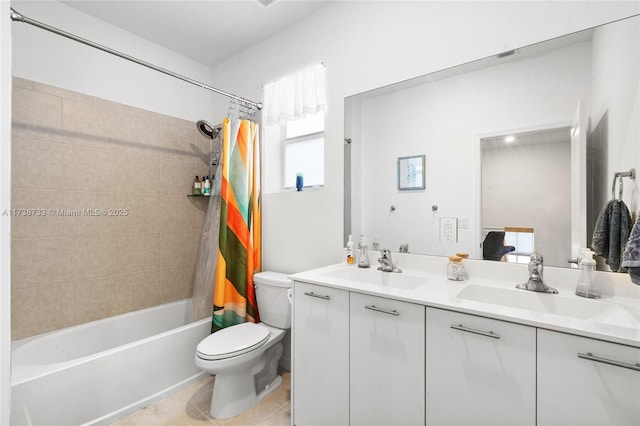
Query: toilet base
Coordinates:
[234,397]
[234,394]
[270,388]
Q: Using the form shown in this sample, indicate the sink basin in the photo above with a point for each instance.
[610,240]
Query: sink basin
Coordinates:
[373,276]
[622,317]
[540,302]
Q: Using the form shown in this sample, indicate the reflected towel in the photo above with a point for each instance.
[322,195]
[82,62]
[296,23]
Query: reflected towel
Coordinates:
[611,233]
[631,257]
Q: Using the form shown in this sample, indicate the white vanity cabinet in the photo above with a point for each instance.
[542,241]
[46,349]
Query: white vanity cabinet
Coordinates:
[320,355]
[479,371]
[586,381]
[386,361]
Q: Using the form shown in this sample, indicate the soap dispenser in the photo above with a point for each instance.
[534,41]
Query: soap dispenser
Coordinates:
[363,259]
[587,287]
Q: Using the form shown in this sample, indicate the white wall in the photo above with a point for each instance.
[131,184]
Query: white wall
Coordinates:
[45,57]
[515,192]
[365,45]
[5,221]
[616,64]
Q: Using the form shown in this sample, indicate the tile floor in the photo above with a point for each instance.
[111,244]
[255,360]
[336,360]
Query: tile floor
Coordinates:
[190,407]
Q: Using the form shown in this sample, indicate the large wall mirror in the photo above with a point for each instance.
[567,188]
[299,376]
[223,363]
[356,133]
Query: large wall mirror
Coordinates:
[520,150]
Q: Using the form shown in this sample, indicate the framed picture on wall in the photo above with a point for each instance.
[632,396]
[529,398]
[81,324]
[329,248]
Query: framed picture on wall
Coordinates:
[411,172]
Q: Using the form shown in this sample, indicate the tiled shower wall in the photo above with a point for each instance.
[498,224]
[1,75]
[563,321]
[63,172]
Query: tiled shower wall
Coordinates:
[72,155]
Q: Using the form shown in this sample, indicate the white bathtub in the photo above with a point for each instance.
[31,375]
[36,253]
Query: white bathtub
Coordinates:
[96,372]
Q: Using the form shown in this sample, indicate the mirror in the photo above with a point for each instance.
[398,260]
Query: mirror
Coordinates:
[573,106]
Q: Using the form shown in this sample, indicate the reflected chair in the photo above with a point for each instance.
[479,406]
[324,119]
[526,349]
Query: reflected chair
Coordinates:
[493,247]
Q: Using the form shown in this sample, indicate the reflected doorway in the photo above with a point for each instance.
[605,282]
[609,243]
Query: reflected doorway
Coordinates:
[526,184]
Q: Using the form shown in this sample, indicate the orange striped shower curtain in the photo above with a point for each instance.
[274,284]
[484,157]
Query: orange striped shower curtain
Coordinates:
[239,247]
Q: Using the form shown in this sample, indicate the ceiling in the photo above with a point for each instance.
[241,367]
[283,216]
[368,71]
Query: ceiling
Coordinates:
[208,31]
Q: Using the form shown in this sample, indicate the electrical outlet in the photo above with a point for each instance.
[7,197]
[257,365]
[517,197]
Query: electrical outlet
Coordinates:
[449,229]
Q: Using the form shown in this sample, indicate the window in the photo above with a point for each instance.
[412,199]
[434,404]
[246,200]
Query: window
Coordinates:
[522,239]
[293,133]
[303,151]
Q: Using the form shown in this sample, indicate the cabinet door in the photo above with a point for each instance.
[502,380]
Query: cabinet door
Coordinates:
[479,371]
[320,355]
[387,361]
[584,381]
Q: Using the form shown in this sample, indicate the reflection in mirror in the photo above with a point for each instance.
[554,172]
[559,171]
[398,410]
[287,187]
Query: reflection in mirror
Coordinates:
[526,192]
[585,86]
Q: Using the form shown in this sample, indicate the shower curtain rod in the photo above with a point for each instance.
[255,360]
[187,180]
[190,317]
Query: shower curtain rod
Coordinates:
[15,16]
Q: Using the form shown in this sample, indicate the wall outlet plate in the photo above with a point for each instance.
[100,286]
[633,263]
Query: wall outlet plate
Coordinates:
[449,229]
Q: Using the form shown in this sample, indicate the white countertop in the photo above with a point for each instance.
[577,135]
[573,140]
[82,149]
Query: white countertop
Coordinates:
[614,317]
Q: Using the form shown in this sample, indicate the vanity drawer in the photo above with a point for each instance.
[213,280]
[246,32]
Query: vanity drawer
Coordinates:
[479,370]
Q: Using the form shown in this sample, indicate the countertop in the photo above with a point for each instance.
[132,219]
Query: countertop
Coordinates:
[613,318]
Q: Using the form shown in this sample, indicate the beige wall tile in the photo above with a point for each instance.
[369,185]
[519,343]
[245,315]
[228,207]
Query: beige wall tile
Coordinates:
[89,257]
[140,252]
[62,93]
[36,310]
[35,261]
[45,222]
[87,169]
[36,115]
[21,83]
[88,300]
[111,156]
[180,248]
[35,164]
[94,212]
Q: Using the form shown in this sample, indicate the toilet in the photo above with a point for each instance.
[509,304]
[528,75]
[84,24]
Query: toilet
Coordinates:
[245,357]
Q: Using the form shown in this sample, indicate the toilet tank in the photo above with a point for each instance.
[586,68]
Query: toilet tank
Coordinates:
[273,298]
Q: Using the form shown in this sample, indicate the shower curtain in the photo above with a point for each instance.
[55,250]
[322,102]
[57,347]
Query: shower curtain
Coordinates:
[202,300]
[239,247]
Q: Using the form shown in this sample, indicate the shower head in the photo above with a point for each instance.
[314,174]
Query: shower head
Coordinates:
[207,129]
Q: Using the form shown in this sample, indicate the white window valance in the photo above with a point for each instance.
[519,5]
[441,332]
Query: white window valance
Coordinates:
[294,96]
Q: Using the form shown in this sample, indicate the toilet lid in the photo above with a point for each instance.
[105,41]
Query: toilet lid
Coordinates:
[233,341]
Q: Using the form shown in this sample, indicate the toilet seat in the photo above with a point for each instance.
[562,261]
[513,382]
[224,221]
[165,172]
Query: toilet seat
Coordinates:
[233,341]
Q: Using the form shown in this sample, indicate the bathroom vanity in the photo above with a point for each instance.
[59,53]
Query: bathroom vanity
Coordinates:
[413,348]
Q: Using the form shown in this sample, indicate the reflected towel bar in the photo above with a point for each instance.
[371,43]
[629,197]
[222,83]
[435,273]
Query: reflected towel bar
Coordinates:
[619,175]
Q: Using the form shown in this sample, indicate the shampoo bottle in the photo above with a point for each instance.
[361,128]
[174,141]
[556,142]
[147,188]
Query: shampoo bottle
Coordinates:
[350,259]
[207,186]
[586,284]
[197,187]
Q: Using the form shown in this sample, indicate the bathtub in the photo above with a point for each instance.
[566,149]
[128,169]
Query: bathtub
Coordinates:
[96,372]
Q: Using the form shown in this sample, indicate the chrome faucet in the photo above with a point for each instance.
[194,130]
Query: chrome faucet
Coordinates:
[386,264]
[535,282]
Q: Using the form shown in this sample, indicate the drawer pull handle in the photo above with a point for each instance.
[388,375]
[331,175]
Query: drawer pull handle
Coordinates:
[383,310]
[592,357]
[474,331]
[319,296]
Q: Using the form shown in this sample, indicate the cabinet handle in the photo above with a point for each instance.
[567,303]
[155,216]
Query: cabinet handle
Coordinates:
[383,310]
[592,357]
[474,331]
[319,296]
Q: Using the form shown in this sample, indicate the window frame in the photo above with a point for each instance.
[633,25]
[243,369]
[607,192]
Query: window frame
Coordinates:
[284,142]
